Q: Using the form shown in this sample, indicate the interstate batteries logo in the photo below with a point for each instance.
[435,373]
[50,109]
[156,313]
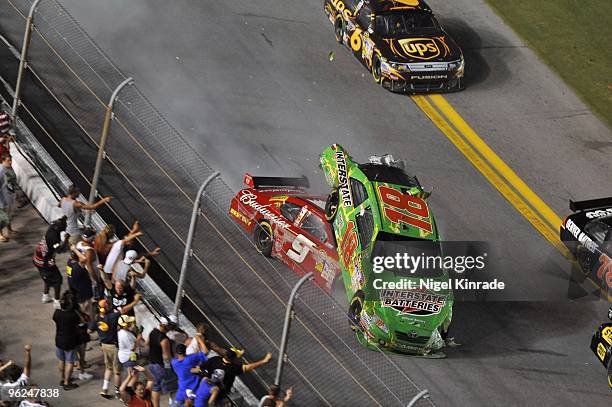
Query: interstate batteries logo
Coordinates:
[412,302]
[343,186]
[420,48]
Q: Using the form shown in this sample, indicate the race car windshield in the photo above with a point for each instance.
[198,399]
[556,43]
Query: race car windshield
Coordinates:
[405,253]
[403,24]
[391,175]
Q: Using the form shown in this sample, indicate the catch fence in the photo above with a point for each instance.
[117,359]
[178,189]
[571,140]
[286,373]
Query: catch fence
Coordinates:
[154,173]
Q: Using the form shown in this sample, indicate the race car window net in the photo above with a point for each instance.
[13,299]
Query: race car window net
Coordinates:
[365,227]
[359,192]
[391,245]
[316,227]
[405,23]
[290,210]
[391,175]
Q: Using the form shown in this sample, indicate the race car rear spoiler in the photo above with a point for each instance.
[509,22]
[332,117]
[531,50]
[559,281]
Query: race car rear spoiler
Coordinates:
[275,182]
[590,204]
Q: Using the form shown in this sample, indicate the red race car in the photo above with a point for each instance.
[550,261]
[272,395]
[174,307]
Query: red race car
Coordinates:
[289,224]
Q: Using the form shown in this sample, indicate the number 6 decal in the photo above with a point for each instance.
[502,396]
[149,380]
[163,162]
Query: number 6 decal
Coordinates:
[299,248]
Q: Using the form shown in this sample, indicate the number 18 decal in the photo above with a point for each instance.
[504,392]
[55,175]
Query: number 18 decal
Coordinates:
[299,248]
[415,206]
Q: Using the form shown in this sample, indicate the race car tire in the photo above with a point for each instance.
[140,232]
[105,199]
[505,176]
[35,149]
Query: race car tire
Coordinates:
[376,74]
[354,311]
[264,238]
[339,28]
[331,205]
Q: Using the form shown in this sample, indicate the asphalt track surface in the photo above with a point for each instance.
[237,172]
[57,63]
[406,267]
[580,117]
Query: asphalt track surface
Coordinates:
[249,84]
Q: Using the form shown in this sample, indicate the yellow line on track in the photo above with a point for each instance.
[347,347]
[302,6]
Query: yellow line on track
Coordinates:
[488,172]
[546,221]
[456,120]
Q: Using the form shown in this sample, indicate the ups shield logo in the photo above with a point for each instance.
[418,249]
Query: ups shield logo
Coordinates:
[420,48]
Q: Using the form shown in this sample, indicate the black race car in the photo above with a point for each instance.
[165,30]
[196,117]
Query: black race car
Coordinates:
[400,42]
[587,233]
[601,345]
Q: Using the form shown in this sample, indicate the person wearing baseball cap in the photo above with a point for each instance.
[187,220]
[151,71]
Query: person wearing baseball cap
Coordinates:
[128,342]
[125,268]
[182,365]
[207,392]
[106,325]
[231,365]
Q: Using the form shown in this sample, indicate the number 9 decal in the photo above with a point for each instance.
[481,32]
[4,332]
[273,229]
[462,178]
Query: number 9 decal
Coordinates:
[299,248]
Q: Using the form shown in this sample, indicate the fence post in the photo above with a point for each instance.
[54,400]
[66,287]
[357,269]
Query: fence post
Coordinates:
[286,326]
[23,61]
[188,252]
[108,116]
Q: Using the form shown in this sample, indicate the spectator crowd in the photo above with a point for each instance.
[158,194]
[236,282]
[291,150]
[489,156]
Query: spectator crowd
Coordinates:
[96,303]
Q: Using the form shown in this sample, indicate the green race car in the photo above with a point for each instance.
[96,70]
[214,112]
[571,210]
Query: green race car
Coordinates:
[382,225]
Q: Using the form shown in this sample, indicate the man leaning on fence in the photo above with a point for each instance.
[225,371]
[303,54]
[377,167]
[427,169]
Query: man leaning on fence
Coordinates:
[71,207]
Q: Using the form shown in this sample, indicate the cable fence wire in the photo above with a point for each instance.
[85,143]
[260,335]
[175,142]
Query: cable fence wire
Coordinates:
[154,174]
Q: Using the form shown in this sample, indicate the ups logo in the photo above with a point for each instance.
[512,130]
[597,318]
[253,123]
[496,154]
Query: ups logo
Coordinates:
[420,48]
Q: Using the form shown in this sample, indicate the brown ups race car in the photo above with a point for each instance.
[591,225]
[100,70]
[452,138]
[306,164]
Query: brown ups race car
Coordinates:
[400,42]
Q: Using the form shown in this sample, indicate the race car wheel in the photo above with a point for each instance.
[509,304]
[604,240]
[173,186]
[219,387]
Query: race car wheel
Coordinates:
[355,308]
[376,74]
[263,238]
[339,29]
[331,205]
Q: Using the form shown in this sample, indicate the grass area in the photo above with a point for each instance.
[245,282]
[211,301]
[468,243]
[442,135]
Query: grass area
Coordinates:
[574,37]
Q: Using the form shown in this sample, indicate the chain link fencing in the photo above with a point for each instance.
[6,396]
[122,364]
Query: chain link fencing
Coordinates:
[153,173]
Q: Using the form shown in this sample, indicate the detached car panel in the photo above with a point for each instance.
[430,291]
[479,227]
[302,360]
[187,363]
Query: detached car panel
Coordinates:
[400,42]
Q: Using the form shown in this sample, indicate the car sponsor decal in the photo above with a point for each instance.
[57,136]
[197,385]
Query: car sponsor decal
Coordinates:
[582,237]
[428,77]
[249,199]
[599,213]
[240,216]
[357,279]
[606,334]
[604,272]
[325,270]
[405,208]
[412,302]
[349,243]
[339,222]
[342,9]
[343,183]
[420,48]
[411,3]
[601,351]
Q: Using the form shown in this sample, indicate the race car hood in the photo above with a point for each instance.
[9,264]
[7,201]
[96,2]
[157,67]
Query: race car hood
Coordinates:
[420,227]
[421,48]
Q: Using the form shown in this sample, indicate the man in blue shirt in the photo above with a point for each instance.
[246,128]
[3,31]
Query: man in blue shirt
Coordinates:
[182,365]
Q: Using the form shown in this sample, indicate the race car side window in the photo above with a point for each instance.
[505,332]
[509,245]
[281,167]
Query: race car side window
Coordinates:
[359,192]
[365,17]
[365,227]
[290,210]
[597,230]
[315,226]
